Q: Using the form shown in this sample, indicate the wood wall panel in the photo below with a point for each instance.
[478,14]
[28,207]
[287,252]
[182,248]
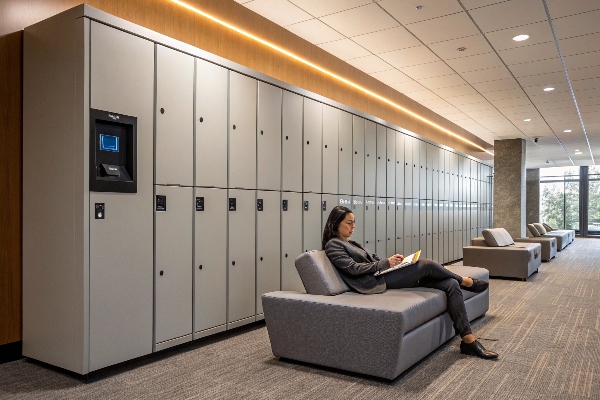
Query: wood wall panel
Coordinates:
[170,19]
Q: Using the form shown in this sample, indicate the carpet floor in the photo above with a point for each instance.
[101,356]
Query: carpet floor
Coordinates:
[547,331]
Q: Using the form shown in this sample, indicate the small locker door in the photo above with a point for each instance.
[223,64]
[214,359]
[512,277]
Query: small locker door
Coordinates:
[241,258]
[211,124]
[416,221]
[435,232]
[391,163]
[268,269]
[173,263]
[358,209]
[431,155]
[370,158]
[429,228]
[473,227]
[457,232]
[435,172]
[423,227]
[345,154]
[358,156]
[462,178]
[312,233]
[423,170]
[399,165]
[174,159]
[330,149]
[291,240]
[380,227]
[291,142]
[210,260]
[454,175]
[408,227]
[408,167]
[447,188]
[416,174]
[268,137]
[370,208]
[400,226]
[381,162]
[391,227]
[328,201]
[313,137]
[242,131]
[451,256]
[444,229]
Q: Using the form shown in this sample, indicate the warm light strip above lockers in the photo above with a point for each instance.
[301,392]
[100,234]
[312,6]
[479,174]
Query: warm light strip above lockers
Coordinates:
[325,71]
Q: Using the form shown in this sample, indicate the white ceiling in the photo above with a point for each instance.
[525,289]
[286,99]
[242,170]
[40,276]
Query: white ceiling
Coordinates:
[491,86]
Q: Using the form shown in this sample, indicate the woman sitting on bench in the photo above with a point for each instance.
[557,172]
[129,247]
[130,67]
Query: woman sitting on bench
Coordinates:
[357,268]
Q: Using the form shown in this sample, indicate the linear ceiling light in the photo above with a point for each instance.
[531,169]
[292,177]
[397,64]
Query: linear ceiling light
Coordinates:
[323,70]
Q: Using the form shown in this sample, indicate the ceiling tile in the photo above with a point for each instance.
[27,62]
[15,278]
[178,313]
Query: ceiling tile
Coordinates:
[411,56]
[437,103]
[542,97]
[538,32]
[430,70]
[314,31]
[319,8]
[443,81]
[580,44]
[344,49]
[508,14]
[582,84]
[387,40]
[407,87]
[577,25]
[390,76]
[446,110]
[473,45]
[467,99]
[522,109]
[584,73]
[423,96]
[535,52]
[444,28]
[582,60]
[369,64]
[281,12]
[536,67]
[407,13]
[556,79]
[471,4]
[486,75]
[455,91]
[474,63]
[360,20]
[515,101]
[502,88]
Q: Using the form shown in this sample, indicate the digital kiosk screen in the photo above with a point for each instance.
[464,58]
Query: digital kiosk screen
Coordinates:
[109,143]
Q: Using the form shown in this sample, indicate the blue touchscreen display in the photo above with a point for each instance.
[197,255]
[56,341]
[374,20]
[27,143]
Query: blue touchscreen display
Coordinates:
[109,143]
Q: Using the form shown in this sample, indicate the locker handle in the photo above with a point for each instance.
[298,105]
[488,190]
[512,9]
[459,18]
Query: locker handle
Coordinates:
[234,127]
[379,158]
[285,255]
[161,273]
[200,267]
[341,149]
[356,152]
[233,263]
[201,119]
[162,110]
[261,132]
[286,138]
[261,259]
[325,146]
[308,142]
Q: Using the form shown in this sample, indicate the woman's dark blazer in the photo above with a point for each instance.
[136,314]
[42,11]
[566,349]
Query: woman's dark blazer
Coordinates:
[355,267]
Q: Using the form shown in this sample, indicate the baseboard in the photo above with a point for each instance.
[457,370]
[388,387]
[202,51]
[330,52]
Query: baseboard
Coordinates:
[11,352]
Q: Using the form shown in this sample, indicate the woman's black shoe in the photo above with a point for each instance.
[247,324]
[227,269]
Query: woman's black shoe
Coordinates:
[476,349]
[478,286]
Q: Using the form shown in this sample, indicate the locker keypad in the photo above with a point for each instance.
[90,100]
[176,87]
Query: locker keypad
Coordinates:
[199,203]
[259,204]
[99,212]
[161,203]
[285,205]
[232,204]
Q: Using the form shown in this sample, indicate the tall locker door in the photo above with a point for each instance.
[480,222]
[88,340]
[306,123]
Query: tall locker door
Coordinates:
[358,156]
[210,261]
[291,240]
[431,150]
[408,166]
[211,124]
[369,222]
[429,228]
[435,232]
[173,268]
[408,248]
[391,163]
[447,187]
[444,239]
[423,227]
[328,201]
[174,162]
[416,171]
[370,158]
[435,171]
[474,212]
[416,223]
[268,137]
[461,178]
[313,138]
[345,154]
[400,226]
[381,163]
[268,236]
[121,280]
[358,209]
[241,288]
[423,170]
[391,227]
[380,226]
[457,230]
[311,222]
[291,142]
[442,174]
[451,231]
[242,131]
[399,165]
[454,176]
[330,149]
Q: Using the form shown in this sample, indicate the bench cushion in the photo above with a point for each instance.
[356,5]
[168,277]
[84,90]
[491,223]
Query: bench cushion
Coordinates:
[532,229]
[540,228]
[497,237]
[318,274]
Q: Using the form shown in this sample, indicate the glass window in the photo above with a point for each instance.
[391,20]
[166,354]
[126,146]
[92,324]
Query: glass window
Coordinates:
[594,201]
[559,197]
[552,204]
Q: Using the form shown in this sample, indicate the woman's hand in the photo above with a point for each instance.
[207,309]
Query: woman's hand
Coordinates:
[395,259]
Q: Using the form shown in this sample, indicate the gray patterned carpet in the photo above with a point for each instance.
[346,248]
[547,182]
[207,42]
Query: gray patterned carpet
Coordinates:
[547,332]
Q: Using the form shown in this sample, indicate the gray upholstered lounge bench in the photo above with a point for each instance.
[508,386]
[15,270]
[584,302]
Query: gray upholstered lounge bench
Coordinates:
[564,237]
[380,334]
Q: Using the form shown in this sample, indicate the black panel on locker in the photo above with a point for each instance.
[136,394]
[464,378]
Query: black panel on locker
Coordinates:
[113,152]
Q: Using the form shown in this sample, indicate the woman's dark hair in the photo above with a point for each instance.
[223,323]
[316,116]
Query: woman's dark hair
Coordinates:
[336,216]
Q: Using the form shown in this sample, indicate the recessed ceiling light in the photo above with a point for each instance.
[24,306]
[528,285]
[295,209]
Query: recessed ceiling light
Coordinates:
[567,130]
[548,89]
[520,38]
[419,7]
[578,152]
[461,49]
[527,119]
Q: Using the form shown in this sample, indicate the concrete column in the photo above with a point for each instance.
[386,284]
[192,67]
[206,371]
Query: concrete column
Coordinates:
[533,196]
[509,186]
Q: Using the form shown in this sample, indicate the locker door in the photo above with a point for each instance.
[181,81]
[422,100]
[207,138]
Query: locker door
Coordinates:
[457,232]
[345,154]
[435,167]
[451,231]
[408,227]
[330,149]
[391,163]
[408,167]
[442,174]
[313,137]
[416,172]
[399,165]
[381,163]
[381,227]
[291,240]
[369,218]
[291,141]
[268,236]
[423,170]
[370,158]
[358,156]
[241,258]
[431,150]
[429,228]
[328,202]
[211,124]
[454,176]
[473,227]
[416,224]
[312,233]
[173,264]
[174,159]
[444,239]
[435,229]
[400,226]
[447,187]
[462,177]
[210,261]
[242,131]
[268,137]
[423,227]
[358,209]
[391,227]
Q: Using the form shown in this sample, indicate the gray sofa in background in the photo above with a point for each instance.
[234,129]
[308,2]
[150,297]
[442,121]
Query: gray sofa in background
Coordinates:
[379,335]
[549,245]
[501,256]
[564,237]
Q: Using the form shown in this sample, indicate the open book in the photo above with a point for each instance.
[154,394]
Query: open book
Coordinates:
[413,258]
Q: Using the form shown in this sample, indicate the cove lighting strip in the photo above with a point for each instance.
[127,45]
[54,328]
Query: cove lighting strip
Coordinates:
[323,70]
